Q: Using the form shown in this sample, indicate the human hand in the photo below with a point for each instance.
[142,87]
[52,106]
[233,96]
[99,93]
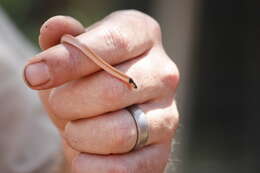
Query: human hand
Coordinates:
[88,105]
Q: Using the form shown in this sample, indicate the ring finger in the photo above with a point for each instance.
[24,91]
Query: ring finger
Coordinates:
[115,132]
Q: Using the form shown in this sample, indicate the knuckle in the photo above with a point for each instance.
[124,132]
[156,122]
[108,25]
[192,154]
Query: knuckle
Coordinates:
[140,17]
[151,22]
[130,12]
[171,76]
[115,39]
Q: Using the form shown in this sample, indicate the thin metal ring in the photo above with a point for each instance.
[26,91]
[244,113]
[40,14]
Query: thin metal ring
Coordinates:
[142,126]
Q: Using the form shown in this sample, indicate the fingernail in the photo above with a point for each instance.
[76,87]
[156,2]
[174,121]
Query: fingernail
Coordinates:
[37,74]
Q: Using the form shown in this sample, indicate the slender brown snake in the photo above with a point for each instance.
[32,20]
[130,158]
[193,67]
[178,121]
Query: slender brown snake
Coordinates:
[69,39]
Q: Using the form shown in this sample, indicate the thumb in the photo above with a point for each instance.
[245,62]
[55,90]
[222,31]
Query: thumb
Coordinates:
[50,34]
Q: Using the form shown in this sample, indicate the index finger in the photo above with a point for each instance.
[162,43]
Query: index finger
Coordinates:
[117,38]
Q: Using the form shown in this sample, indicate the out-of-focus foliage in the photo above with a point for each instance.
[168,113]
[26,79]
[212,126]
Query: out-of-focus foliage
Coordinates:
[28,15]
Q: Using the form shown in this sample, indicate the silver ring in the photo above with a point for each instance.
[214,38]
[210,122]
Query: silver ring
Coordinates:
[142,126]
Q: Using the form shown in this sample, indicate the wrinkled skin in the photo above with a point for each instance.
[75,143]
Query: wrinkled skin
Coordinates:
[88,105]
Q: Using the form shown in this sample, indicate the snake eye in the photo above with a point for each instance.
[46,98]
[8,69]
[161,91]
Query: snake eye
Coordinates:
[132,83]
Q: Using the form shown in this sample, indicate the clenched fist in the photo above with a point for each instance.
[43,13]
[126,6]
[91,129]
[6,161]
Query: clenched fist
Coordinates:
[88,105]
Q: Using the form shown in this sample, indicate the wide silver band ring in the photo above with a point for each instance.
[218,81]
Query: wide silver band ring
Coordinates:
[142,126]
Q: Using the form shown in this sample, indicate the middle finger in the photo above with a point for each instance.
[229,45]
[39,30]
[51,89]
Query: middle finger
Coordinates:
[101,93]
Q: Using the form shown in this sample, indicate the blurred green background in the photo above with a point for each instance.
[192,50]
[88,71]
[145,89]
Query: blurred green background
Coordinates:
[28,15]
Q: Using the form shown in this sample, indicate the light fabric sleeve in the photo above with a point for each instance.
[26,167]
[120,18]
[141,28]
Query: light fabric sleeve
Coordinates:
[28,141]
